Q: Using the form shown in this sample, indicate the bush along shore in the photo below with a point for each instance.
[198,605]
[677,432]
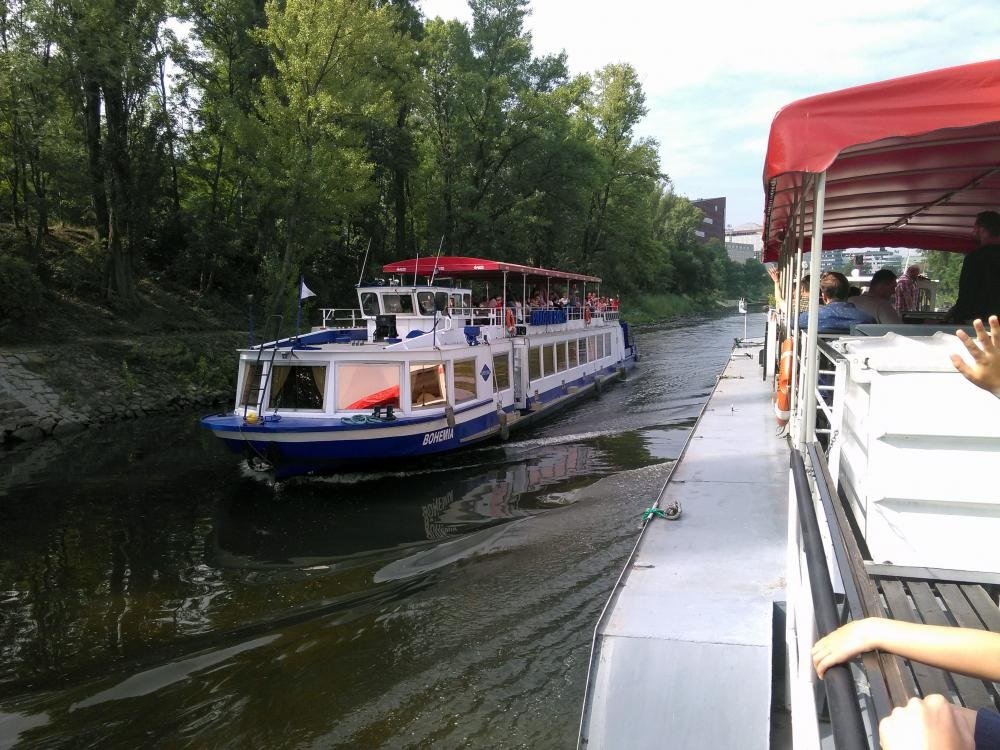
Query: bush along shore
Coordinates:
[59,389]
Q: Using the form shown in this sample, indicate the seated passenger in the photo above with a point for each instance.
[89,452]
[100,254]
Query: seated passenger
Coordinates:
[877,301]
[837,315]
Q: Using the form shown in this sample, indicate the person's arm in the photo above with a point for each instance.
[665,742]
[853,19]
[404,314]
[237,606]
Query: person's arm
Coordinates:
[776,278]
[972,652]
[985,351]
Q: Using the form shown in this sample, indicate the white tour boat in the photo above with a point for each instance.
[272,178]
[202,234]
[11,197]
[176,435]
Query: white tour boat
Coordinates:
[419,370]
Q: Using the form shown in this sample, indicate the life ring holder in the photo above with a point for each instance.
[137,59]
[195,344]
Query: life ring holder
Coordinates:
[586,316]
[509,321]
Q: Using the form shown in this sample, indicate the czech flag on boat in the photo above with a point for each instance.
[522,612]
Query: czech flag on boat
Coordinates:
[304,291]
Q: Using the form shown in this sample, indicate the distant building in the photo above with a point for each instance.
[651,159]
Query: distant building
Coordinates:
[747,234]
[713,222]
[739,252]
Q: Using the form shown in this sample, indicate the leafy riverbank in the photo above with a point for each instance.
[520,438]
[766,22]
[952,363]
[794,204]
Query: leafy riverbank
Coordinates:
[649,309]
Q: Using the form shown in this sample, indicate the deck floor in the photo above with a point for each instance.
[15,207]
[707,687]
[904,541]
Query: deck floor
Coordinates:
[683,657]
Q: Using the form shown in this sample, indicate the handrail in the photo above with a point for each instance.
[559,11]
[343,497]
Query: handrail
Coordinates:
[887,685]
[845,713]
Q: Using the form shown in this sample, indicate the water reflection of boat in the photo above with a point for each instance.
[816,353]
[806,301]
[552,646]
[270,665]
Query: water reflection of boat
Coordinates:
[306,528]
[418,371]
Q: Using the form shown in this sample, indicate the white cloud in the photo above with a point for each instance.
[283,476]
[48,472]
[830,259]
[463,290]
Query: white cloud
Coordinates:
[716,72]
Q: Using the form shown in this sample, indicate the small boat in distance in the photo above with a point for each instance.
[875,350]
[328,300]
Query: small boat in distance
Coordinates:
[420,369]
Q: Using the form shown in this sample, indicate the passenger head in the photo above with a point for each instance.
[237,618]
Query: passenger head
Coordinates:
[913,271]
[854,291]
[987,227]
[834,286]
[883,284]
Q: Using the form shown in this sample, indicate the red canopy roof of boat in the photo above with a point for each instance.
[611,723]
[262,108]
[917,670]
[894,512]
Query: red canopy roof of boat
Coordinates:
[473,267]
[909,161]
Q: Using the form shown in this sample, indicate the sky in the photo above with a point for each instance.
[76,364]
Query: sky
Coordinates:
[715,73]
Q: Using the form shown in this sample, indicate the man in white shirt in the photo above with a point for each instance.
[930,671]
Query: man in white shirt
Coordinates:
[877,301]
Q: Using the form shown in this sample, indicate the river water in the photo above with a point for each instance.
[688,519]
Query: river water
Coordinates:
[155,593]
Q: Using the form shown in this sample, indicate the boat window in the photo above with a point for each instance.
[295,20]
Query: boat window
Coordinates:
[466,300]
[250,395]
[365,386]
[535,363]
[297,386]
[571,345]
[427,385]
[561,356]
[583,351]
[369,303]
[465,380]
[600,346]
[425,303]
[397,303]
[548,363]
[607,344]
[501,372]
[592,349]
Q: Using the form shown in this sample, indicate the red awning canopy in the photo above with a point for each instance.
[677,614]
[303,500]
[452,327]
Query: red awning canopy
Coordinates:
[909,162]
[472,268]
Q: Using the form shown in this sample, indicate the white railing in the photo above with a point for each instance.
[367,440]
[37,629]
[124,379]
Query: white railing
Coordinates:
[342,317]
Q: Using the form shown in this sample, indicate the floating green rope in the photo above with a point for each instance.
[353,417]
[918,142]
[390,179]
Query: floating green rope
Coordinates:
[650,512]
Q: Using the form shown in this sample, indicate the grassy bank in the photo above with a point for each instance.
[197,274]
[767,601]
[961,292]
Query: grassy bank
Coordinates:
[646,309]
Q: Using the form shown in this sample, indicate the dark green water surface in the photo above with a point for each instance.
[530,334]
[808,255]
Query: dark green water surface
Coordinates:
[156,593]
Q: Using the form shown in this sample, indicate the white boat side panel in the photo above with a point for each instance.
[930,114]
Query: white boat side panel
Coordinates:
[690,631]
[919,446]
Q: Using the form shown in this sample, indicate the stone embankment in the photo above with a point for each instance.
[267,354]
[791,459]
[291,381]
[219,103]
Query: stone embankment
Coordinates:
[59,390]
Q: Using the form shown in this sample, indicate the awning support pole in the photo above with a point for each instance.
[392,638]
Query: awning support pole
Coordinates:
[808,432]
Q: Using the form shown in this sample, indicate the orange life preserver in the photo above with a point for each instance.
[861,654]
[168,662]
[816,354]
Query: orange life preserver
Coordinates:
[586,316]
[783,395]
[509,320]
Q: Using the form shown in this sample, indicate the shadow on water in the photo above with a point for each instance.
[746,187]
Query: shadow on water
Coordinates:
[152,592]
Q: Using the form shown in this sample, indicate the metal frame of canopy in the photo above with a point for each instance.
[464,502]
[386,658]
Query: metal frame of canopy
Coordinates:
[479,268]
[907,162]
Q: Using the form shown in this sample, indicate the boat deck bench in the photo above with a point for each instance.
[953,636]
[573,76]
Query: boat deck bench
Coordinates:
[932,596]
[935,597]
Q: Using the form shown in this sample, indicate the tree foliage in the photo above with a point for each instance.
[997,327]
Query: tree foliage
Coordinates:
[230,145]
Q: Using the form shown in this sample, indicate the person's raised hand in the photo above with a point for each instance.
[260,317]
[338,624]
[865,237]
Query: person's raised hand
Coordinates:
[984,370]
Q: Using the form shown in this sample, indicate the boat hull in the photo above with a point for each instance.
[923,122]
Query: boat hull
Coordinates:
[293,446]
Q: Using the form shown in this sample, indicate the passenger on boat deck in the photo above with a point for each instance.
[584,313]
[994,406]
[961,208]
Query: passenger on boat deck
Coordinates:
[939,723]
[979,283]
[906,294]
[877,300]
[985,351]
[779,301]
[837,315]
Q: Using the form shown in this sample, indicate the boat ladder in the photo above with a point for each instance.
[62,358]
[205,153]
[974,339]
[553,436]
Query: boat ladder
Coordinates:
[256,395]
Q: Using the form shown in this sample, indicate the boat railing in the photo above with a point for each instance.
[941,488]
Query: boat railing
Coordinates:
[342,317]
[831,385]
[813,607]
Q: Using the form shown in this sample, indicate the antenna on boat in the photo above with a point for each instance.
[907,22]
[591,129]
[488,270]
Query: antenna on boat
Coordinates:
[415,266]
[364,262]
[436,259]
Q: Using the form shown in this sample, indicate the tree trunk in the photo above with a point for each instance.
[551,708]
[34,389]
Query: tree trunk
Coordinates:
[95,162]
[121,277]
